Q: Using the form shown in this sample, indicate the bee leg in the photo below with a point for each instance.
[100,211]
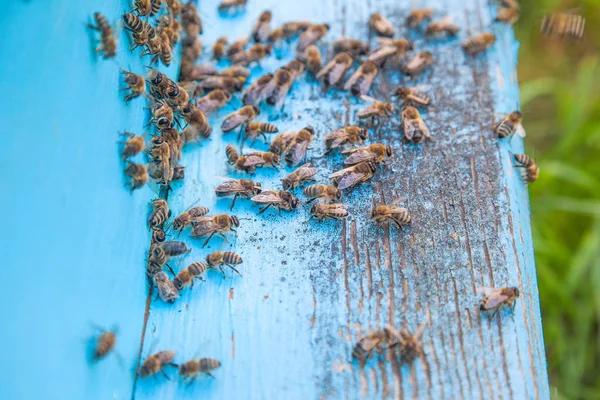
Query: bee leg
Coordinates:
[224,237]
[494,314]
[93,27]
[235,269]
[308,220]
[207,239]
[223,272]
[264,208]
[165,375]
[170,270]
[209,374]
[233,202]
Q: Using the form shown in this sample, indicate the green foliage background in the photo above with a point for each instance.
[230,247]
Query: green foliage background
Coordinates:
[560,96]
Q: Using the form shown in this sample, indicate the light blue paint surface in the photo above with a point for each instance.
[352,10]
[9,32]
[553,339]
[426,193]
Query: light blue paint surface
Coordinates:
[78,239]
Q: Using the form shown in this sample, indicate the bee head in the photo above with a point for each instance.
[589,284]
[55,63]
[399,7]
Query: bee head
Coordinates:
[256,110]
[161,276]
[310,129]
[157,140]
[372,167]
[516,116]
[294,203]
[326,26]
[363,133]
[388,150]
[516,292]
[179,285]
[313,209]
[234,221]
[158,235]
[286,183]
[187,109]
[338,195]
[276,158]
[173,91]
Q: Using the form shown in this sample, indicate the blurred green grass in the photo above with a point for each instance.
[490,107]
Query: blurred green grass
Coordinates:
[560,97]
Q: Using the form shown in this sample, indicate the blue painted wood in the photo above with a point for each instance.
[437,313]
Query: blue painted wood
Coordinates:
[309,291]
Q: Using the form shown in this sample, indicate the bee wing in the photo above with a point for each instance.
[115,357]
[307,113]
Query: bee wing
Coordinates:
[253,160]
[349,179]
[204,226]
[486,291]
[305,172]
[232,121]
[232,186]
[367,111]
[398,201]
[281,95]
[364,97]
[360,155]
[409,128]
[381,53]
[365,83]
[494,299]
[383,41]
[424,128]
[337,72]
[307,38]
[326,69]
[295,152]
[267,197]
[519,130]
[352,80]
[267,90]
[336,138]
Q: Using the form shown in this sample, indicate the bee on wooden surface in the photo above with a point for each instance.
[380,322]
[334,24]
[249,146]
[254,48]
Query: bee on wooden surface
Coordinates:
[138,175]
[209,225]
[354,175]
[418,64]
[188,217]
[191,369]
[156,362]
[252,95]
[495,298]
[532,170]
[158,235]
[412,96]
[417,17]
[414,127]
[378,340]
[349,134]
[261,28]
[258,159]
[478,43]
[563,25]
[160,213]
[411,346]
[238,187]
[237,47]
[280,142]
[375,153]
[104,344]
[253,54]
[335,70]
[232,5]
[508,15]
[312,59]
[213,101]
[442,27]
[390,49]
[226,83]
[133,145]
[135,84]
[166,290]
[381,25]
[295,67]
[351,46]
[218,49]
[510,125]
[186,276]
[296,149]
[311,35]
[360,82]
[254,129]
[176,96]
[108,46]
[219,258]
[235,71]
[276,90]
[291,29]
[279,199]
[196,119]
[376,111]
[327,193]
[321,211]
[384,214]
[302,174]
[239,117]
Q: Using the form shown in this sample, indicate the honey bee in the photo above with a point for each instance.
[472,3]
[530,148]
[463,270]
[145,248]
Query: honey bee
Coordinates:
[232,154]
[261,28]
[360,82]
[443,26]
[296,148]
[313,59]
[236,71]
[351,46]
[191,369]
[354,175]
[188,217]
[209,225]
[135,84]
[158,235]
[390,49]
[158,83]
[279,199]
[302,174]
[174,6]
[196,120]
[186,276]
[143,7]
[138,175]
[349,134]
[213,101]
[218,49]
[495,298]
[249,162]
[253,54]
[156,362]
[411,346]
[219,258]
[275,36]
[108,48]
[252,95]
[239,117]
[238,187]
[418,64]
[381,25]
[378,340]
[335,70]
[104,344]
[291,29]
[412,96]
[417,17]
[190,18]
[510,125]
[384,214]
[229,5]
[132,146]
[414,127]
[160,213]
[161,156]
[476,44]
[328,193]
[280,142]
[563,25]
[170,27]
[295,67]
[508,15]
[166,290]
[311,35]
[532,171]
[377,110]
[226,83]
[276,90]
[178,172]
[321,211]
[158,259]
[163,115]
[375,153]
[172,248]
[140,31]
[237,47]
[254,129]
[176,96]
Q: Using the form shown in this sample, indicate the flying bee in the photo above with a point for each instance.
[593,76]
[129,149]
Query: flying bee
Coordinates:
[253,54]
[495,298]
[238,187]
[418,64]
[375,153]
[377,110]
[510,125]
[218,49]
[160,213]
[311,35]
[176,96]
[351,46]
[156,362]
[296,149]
[478,43]
[237,47]
[240,117]
[335,70]
[232,5]
[196,119]
[312,57]
[381,25]
[166,290]
[417,17]
[532,170]
[254,129]
[138,175]
[219,258]
[443,26]
[158,235]
[213,101]
[378,340]
[412,96]
[291,29]
[236,71]
[280,142]
[209,225]
[302,174]
[252,95]
[384,214]
[108,46]
[321,211]
[360,82]
[135,84]
[249,162]
[261,28]
[191,369]
[132,146]
[279,199]
[349,134]
[508,15]
[186,276]
[390,49]
[275,91]
[563,25]
[104,344]
[411,346]
[414,127]
[354,175]
[188,217]
[232,154]
[327,193]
